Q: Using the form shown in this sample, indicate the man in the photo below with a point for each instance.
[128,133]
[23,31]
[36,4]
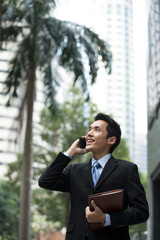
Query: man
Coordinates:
[79,180]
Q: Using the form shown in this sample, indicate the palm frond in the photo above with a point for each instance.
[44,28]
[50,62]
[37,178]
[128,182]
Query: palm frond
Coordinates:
[11,11]
[102,48]
[91,54]
[40,6]
[70,56]
[73,45]
[10,34]
[68,52]
[49,89]
[17,72]
[47,47]
[72,40]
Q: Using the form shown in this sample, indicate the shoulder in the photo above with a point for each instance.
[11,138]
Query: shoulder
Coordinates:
[127,169]
[125,163]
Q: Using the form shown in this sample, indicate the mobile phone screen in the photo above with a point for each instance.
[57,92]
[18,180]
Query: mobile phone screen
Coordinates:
[82,142]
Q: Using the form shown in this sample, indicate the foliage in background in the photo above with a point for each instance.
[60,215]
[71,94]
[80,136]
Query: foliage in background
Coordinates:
[14,173]
[9,211]
[122,151]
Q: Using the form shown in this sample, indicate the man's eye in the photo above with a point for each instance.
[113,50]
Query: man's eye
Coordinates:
[97,130]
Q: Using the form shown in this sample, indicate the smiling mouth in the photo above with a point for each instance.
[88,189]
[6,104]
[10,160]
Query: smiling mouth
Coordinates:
[90,141]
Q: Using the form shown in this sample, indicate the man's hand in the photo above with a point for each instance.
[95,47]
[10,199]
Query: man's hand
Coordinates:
[96,216]
[75,149]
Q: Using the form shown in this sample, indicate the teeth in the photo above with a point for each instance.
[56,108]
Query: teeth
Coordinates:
[89,140]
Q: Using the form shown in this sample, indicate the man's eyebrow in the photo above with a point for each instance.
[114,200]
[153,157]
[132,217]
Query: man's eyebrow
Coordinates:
[94,127]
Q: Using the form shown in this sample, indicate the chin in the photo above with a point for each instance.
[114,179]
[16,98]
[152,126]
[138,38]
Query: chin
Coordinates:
[89,147]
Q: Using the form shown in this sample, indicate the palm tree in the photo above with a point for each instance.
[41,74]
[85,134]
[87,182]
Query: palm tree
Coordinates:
[39,38]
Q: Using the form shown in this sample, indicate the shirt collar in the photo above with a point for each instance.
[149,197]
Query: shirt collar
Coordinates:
[102,161]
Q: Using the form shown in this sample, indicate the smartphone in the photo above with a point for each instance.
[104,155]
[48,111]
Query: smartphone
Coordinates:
[82,142]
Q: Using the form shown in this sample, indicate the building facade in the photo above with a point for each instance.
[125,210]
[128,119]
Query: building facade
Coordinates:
[154,117]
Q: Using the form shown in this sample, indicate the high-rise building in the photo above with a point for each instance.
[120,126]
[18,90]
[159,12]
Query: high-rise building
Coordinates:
[115,95]
[153,87]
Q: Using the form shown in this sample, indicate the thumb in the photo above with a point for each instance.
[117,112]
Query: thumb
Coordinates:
[94,205]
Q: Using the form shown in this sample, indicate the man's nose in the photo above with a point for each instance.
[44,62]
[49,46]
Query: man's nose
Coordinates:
[90,133]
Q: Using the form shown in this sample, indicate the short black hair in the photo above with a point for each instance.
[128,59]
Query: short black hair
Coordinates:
[113,128]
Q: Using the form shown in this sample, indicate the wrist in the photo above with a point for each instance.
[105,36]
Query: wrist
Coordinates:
[71,152]
[107,220]
[66,154]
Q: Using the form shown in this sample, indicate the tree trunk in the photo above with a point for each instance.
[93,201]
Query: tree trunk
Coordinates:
[24,226]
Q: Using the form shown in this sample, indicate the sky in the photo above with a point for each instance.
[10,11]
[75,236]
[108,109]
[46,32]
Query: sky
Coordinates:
[77,11]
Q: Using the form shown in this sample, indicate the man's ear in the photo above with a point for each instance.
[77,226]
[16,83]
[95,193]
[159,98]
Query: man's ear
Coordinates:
[112,140]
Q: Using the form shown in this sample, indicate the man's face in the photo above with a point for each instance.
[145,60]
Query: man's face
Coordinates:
[96,141]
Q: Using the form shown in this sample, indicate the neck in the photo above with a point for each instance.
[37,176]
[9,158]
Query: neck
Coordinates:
[98,156]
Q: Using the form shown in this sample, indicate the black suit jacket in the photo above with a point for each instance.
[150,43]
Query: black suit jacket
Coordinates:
[77,180]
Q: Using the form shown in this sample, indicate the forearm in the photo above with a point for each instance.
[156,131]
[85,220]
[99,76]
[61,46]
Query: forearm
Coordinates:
[54,177]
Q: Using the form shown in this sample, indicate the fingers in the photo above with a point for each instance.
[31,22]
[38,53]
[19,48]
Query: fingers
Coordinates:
[87,211]
[96,216]
[75,149]
[94,205]
[88,215]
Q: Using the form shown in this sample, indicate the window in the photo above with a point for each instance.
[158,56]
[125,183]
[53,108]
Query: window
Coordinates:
[109,9]
[118,9]
[126,11]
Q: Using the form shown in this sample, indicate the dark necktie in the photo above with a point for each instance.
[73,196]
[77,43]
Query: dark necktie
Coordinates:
[95,172]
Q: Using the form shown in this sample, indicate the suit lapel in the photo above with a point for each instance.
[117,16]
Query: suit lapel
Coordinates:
[109,167]
[88,173]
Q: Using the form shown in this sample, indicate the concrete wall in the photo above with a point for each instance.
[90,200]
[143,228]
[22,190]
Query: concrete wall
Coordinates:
[154,178]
